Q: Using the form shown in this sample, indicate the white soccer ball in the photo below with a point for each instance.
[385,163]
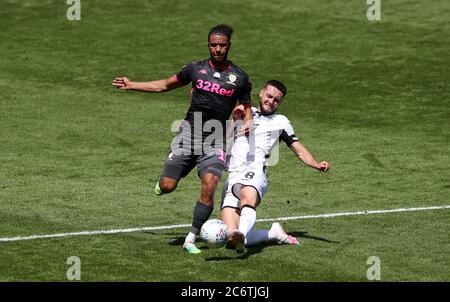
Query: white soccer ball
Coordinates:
[214,232]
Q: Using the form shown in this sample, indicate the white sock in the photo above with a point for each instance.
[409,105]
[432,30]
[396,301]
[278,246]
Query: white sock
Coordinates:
[256,236]
[247,220]
[190,237]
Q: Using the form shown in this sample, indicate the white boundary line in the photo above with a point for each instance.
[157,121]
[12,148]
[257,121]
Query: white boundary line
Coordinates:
[132,230]
[358,213]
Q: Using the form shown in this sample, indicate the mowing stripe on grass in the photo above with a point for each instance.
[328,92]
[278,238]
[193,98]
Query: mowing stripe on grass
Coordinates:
[132,230]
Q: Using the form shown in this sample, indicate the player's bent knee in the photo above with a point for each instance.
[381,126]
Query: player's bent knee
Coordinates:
[209,184]
[208,190]
[209,187]
[167,185]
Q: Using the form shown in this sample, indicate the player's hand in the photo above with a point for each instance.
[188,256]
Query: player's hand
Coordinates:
[122,83]
[238,112]
[323,166]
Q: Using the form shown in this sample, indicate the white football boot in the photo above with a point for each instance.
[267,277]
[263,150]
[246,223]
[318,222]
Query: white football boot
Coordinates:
[279,234]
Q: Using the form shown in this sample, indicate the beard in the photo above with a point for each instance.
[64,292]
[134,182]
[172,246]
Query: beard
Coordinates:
[265,111]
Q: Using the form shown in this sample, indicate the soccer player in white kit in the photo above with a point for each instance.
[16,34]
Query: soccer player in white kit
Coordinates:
[247,179]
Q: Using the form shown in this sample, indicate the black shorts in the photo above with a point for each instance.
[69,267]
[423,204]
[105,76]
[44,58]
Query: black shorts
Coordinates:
[178,164]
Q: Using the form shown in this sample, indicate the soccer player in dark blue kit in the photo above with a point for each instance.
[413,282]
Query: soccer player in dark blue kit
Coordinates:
[217,86]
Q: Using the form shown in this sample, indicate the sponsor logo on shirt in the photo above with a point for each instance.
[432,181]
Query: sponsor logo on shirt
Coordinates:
[214,88]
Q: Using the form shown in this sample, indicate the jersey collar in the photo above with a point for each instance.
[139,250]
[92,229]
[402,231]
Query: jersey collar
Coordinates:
[260,113]
[210,63]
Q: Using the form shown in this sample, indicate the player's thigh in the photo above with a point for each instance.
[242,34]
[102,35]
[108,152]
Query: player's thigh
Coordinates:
[251,182]
[249,196]
[178,165]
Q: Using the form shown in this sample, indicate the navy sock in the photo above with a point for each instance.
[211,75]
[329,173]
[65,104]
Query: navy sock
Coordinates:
[201,215]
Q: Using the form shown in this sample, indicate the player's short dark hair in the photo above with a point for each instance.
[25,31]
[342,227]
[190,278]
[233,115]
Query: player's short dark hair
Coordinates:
[222,29]
[278,85]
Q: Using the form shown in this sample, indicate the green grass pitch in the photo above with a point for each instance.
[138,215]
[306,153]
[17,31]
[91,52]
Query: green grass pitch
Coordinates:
[78,155]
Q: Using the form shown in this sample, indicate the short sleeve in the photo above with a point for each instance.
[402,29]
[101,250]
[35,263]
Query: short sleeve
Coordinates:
[245,93]
[288,135]
[184,76]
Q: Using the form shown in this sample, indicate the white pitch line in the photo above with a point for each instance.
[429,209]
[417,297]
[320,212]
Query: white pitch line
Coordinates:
[357,213]
[98,232]
[166,227]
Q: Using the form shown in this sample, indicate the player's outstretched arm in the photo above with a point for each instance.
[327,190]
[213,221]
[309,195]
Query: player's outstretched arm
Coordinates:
[123,83]
[305,156]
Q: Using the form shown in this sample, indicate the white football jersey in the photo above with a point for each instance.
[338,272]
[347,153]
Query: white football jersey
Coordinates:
[256,148]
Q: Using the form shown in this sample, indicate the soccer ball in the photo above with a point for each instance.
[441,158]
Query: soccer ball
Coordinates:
[214,232]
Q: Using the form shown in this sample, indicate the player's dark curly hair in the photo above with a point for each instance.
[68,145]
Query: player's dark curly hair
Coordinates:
[222,29]
[278,85]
